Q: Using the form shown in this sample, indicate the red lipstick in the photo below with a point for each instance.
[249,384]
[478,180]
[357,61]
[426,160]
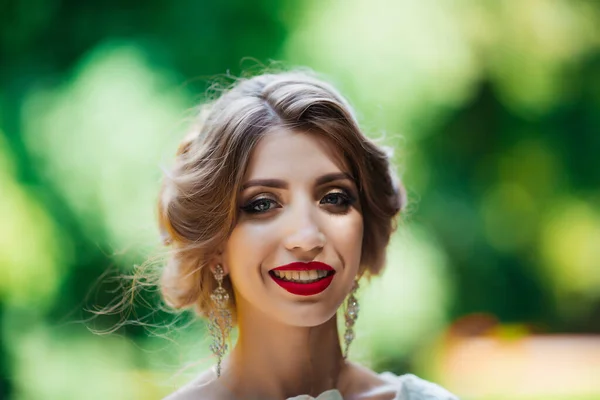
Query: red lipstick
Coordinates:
[303,287]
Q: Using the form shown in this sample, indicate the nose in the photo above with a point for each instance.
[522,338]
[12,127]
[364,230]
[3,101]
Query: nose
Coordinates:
[305,238]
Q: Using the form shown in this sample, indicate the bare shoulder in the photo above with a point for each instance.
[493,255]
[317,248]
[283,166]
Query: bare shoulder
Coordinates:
[201,388]
[415,388]
[361,383]
[368,385]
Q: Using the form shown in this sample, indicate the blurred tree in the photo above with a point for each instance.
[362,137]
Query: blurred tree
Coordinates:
[498,102]
[41,42]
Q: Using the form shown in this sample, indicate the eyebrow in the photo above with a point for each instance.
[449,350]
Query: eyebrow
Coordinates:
[280,184]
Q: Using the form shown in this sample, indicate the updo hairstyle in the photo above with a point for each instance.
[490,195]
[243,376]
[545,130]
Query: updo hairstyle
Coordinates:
[198,201]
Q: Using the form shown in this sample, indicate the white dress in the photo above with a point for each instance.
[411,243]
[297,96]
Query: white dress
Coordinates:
[410,387]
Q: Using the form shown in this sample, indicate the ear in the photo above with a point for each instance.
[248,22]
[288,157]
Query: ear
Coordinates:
[218,259]
[213,268]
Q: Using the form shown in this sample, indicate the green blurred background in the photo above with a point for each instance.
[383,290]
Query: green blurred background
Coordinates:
[493,107]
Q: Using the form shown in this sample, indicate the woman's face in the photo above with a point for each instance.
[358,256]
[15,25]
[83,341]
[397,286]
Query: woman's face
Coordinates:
[299,212]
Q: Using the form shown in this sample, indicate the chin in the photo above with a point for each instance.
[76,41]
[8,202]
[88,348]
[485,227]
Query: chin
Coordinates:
[308,315]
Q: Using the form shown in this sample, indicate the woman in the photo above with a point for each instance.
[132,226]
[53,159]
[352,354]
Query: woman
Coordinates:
[276,207]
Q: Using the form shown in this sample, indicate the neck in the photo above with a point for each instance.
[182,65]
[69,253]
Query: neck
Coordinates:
[272,360]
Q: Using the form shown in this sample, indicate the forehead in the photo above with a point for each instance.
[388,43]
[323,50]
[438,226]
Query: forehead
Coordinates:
[287,154]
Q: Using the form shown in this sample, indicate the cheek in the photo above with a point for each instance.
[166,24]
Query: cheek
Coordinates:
[357,237]
[346,235]
[250,244]
[246,248]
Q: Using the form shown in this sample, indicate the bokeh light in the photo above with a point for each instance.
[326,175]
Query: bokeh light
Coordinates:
[492,286]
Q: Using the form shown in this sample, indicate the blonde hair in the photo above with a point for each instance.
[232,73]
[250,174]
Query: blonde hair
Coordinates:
[197,207]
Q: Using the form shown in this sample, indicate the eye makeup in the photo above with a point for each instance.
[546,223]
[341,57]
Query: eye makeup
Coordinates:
[337,200]
[259,205]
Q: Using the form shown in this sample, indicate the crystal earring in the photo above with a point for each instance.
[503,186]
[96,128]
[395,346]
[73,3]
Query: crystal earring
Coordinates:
[219,319]
[350,315]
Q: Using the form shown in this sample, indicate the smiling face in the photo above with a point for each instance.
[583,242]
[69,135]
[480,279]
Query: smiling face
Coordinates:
[299,209]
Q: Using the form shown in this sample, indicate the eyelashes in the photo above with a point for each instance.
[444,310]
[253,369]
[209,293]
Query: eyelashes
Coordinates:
[338,201]
[260,206]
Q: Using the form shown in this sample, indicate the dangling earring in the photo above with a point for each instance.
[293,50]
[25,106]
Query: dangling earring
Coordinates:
[351,314]
[219,319]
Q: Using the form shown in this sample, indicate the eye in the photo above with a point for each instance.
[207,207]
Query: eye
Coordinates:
[338,199]
[260,206]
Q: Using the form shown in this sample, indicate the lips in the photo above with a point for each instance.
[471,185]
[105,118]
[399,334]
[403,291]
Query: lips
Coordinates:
[303,279]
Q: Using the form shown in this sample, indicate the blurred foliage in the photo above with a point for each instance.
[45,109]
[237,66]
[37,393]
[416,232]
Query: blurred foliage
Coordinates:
[492,107]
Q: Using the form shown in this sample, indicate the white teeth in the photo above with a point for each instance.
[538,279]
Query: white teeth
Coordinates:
[301,276]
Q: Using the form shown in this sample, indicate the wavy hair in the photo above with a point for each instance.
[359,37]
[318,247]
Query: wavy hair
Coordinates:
[197,205]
